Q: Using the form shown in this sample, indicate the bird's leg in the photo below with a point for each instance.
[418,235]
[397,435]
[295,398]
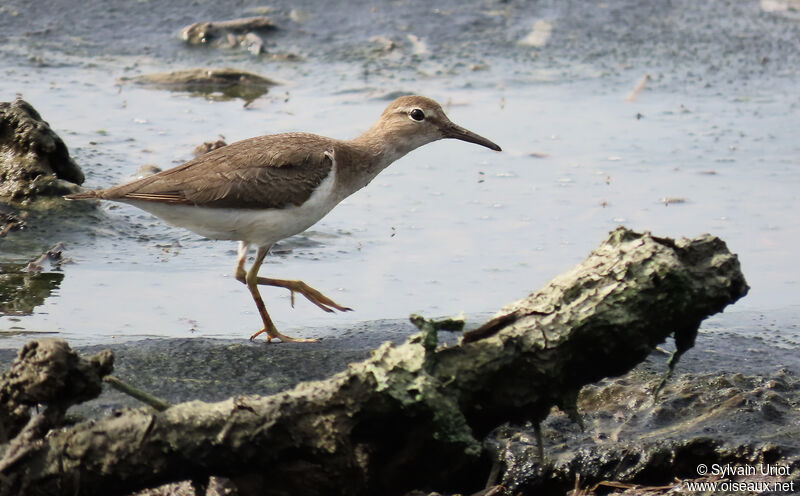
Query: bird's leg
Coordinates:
[251,279]
[313,295]
[239,272]
[304,289]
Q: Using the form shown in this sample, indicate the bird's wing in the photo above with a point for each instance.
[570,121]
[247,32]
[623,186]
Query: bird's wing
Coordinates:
[266,172]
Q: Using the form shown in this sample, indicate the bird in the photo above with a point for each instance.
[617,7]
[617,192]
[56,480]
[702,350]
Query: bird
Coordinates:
[261,190]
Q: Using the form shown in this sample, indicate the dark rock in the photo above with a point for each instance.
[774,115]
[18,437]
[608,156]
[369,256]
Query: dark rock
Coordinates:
[11,222]
[34,161]
[709,418]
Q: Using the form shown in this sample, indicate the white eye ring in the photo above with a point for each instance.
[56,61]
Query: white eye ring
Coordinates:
[416,115]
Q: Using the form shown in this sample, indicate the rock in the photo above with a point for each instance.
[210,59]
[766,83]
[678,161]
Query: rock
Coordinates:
[382,44]
[208,146]
[713,419]
[418,47]
[52,258]
[146,170]
[252,43]
[789,9]
[232,83]
[244,33]
[11,222]
[672,200]
[201,33]
[34,161]
[539,35]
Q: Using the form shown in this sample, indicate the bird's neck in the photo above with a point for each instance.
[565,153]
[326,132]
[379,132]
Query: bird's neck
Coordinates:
[385,145]
[361,159]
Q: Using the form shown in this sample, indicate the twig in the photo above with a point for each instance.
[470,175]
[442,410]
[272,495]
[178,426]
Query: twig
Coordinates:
[428,333]
[537,431]
[140,395]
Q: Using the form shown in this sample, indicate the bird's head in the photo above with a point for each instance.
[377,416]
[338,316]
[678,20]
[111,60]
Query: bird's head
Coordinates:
[413,121]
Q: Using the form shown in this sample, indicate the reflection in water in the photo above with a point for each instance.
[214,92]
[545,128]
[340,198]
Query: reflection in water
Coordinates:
[21,292]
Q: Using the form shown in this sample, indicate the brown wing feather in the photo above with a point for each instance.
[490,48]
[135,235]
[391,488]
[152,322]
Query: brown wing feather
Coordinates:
[264,172]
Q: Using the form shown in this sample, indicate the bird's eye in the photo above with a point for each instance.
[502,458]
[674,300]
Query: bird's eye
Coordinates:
[417,114]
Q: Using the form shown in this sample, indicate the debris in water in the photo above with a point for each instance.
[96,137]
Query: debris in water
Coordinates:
[638,88]
[539,35]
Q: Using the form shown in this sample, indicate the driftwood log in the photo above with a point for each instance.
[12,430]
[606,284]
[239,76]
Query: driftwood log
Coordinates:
[412,415]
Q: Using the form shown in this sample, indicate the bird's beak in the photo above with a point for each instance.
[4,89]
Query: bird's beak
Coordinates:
[455,131]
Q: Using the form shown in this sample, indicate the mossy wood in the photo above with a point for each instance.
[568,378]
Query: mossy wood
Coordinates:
[412,415]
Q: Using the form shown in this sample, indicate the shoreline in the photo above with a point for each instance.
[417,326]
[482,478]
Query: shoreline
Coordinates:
[209,369]
[725,404]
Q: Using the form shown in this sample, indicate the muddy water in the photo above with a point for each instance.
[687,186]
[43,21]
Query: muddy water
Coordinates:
[709,145]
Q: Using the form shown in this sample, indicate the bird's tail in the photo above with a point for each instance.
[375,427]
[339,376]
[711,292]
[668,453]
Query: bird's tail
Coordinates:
[83,195]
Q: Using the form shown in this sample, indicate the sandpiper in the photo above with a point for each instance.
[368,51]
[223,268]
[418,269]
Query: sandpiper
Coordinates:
[264,189]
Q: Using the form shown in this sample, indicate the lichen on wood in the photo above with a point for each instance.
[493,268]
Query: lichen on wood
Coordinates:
[411,415]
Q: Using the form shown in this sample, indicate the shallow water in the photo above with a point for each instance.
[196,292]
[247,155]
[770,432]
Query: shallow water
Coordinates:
[710,145]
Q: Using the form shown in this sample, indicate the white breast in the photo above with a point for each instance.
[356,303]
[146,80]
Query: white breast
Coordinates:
[259,227]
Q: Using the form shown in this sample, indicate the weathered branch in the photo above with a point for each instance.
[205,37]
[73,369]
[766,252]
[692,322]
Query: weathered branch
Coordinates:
[409,416]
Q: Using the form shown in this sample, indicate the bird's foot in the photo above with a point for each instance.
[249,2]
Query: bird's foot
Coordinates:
[316,298]
[311,294]
[274,334]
